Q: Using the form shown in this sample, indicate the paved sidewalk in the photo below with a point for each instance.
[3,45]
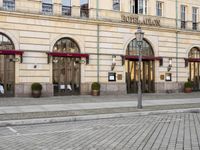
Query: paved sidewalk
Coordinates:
[87,106]
[52,109]
[18,101]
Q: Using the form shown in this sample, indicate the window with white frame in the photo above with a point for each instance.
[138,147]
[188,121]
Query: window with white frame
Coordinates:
[66,7]
[47,7]
[194,17]
[132,6]
[138,6]
[9,5]
[159,8]
[116,5]
[183,16]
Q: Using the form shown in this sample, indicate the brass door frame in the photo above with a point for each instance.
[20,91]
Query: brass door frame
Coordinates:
[8,79]
[194,75]
[147,76]
[67,72]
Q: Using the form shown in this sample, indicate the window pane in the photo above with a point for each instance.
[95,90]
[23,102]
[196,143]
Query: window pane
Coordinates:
[5,43]
[132,6]
[116,4]
[159,8]
[66,2]
[82,2]
[9,4]
[47,9]
[84,8]
[47,1]
[182,12]
[141,5]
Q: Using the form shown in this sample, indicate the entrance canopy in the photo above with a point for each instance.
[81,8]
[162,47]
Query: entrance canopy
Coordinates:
[11,52]
[73,55]
[67,47]
[193,56]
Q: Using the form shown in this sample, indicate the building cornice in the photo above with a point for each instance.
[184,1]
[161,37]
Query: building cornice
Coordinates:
[90,21]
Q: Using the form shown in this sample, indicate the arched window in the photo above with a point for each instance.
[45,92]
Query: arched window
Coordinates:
[66,69]
[6,43]
[194,68]
[66,45]
[132,49]
[194,53]
[7,67]
[147,67]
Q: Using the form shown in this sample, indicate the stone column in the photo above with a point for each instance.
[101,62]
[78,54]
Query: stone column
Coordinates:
[189,18]
[198,26]
[76,8]
[1,3]
[57,7]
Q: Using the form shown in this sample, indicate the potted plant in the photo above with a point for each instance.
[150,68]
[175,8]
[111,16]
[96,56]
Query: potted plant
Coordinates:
[188,87]
[95,87]
[36,89]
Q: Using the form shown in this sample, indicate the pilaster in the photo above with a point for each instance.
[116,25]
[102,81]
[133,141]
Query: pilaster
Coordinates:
[76,8]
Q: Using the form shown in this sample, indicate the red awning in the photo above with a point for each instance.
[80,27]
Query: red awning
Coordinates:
[11,52]
[192,59]
[74,55]
[143,58]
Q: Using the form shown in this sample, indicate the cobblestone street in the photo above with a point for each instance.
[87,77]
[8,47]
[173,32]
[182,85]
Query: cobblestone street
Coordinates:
[170,131]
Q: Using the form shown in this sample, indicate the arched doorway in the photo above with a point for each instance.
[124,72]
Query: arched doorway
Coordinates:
[147,67]
[194,68]
[66,67]
[7,67]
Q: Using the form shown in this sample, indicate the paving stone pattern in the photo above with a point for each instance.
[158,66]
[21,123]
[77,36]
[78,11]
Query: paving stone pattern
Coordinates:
[18,101]
[179,131]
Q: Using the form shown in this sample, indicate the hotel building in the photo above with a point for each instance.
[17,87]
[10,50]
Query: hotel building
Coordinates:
[67,44]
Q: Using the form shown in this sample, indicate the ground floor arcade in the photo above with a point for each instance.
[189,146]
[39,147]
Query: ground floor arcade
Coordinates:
[67,65]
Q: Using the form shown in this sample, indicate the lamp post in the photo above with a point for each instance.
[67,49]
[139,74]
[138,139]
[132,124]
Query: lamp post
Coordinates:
[139,39]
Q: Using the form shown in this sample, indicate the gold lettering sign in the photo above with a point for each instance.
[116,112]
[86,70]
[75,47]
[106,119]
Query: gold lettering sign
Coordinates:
[137,20]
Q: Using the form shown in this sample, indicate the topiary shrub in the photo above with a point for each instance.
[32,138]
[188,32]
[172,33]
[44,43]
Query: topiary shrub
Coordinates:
[188,87]
[36,90]
[188,84]
[36,87]
[95,86]
[95,89]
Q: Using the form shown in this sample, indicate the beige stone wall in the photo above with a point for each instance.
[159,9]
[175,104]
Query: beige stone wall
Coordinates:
[36,34]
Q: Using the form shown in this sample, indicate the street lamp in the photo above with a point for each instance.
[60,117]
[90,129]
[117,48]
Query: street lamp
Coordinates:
[139,38]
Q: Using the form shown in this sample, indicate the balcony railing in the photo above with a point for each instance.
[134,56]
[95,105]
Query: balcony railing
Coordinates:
[84,12]
[183,24]
[47,9]
[66,10]
[194,26]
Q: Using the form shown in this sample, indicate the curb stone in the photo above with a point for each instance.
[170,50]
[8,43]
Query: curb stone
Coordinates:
[93,117]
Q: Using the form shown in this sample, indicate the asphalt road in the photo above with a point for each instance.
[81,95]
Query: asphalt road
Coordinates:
[153,132]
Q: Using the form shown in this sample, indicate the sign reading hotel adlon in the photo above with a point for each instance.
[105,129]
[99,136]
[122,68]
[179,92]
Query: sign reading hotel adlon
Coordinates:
[141,21]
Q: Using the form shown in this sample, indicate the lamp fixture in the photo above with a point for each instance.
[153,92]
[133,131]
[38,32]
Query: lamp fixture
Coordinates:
[55,60]
[113,62]
[14,59]
[170,65]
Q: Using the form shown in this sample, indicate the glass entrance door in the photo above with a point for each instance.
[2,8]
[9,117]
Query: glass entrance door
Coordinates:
[194,70]
[147,76]
[66,76]
[7,75]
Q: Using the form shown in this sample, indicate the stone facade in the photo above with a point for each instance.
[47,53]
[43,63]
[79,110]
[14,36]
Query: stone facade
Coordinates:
[101,35]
